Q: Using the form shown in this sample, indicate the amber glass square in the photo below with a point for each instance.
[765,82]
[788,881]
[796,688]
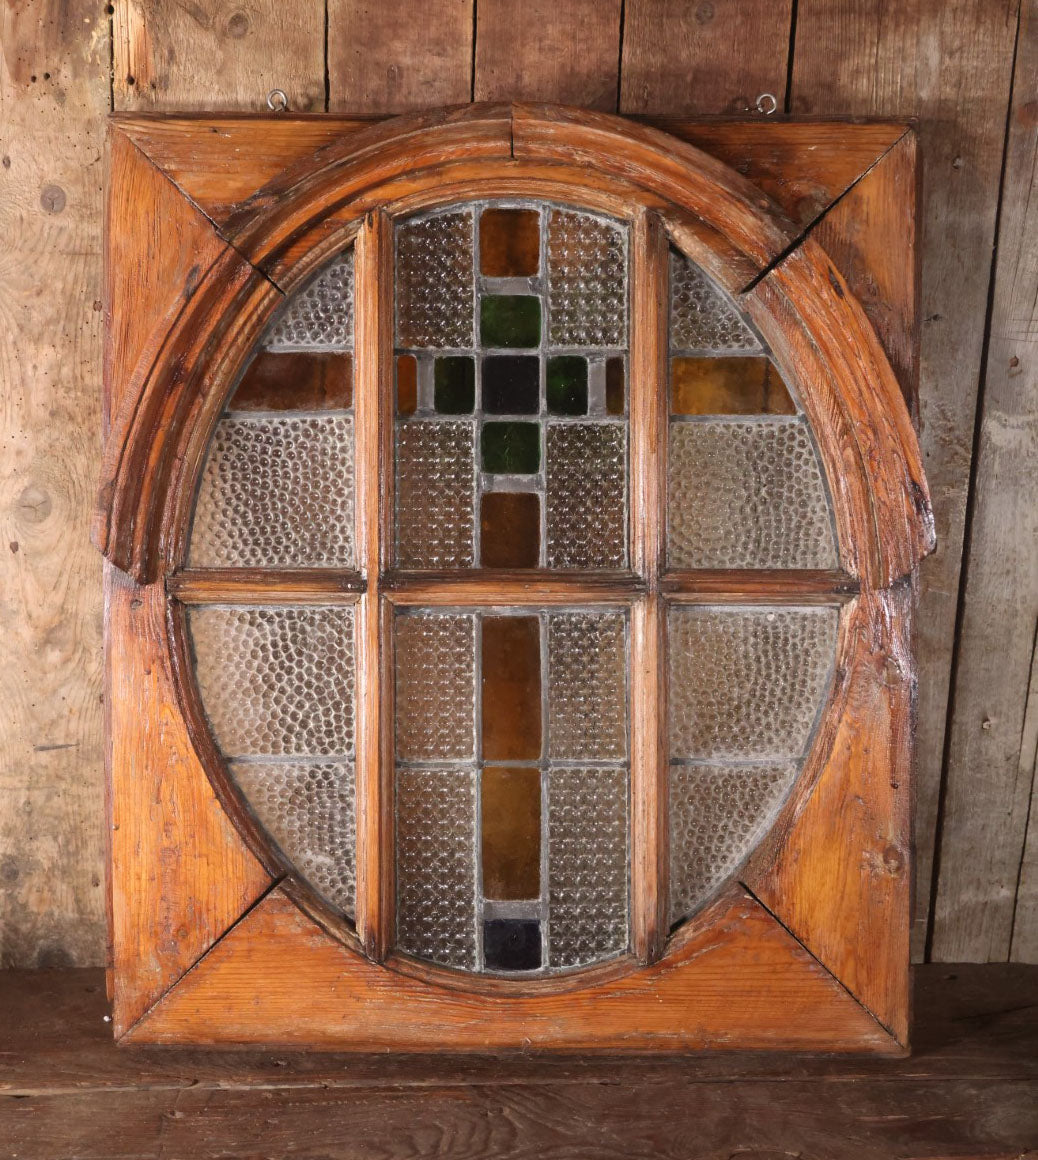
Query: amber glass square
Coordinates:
[511,833]
[406,384]
[511,688]
[509,243]
[727,386]
[510,529]
[296,381]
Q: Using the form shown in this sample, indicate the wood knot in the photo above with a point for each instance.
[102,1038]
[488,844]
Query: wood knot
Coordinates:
[52,198]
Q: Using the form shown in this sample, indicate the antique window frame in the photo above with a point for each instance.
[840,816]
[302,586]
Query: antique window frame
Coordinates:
[211,223]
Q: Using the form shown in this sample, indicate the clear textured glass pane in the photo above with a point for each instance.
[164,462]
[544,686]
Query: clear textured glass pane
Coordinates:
[746,494]
[276,491]
[587,495]
[717,815]
[587,685]
[308,809]
[435,462]
[435,865]
[276,680]
[587,860]
[747,683]
[320,316]
[434,282]
[435,686]
[587,280]
[702,317]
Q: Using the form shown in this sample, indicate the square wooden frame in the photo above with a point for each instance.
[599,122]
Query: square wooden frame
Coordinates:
[809,951]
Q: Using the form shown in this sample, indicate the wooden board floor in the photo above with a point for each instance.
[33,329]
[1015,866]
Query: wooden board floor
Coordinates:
[970,1089]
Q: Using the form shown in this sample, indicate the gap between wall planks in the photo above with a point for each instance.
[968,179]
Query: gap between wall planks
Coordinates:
[989,749]
[53,96]
[213,56]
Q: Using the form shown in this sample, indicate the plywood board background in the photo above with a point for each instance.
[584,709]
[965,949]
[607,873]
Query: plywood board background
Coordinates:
[964,68]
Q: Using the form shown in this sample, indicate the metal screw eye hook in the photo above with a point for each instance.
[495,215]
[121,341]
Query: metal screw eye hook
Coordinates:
[277,101]
[766,104]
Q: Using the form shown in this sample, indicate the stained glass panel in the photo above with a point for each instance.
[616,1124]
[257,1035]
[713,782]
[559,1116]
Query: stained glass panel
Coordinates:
[528,335]
[546,826]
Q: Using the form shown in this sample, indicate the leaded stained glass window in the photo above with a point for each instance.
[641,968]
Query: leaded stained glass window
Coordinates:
[509,591]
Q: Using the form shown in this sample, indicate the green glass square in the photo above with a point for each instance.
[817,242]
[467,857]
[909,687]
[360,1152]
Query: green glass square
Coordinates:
[511,448]
[454,379]
[510,320]
[566,385]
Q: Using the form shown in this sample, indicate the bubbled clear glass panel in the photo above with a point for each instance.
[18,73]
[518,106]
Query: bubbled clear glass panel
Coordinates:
[702,317]
[587,258]
[588,865]
[434,282]
[587,496]
[747,683]
[308,809]
[320,316]
[511,441]
[718,815]
[435,494]
[435,865]
[747,494]
[277,484]
[435,686]
[276,491]
[747,686]
[587,685]
[276,681]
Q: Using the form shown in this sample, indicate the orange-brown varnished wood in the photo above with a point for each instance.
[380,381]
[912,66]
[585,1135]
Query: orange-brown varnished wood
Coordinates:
[801,586]
[803,166]
[838,873]
[738,980]
[519,587]
[869,448]
[181,875]
[871,235]
[648,393]
[159,247]
[265,586]
[218,162]
[374,419]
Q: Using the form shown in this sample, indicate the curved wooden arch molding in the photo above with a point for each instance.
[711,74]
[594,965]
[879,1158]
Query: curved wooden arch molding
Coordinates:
[277,237]
[220,257]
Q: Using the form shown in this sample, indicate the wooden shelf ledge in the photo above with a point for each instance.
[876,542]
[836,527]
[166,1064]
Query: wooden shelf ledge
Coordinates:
[970,1089]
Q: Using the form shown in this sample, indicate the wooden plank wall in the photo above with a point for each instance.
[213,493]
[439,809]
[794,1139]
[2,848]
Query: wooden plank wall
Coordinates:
[964,68]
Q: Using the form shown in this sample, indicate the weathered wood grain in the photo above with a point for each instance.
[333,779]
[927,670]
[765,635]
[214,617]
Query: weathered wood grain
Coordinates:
[541,50]
[733,977]
[970,1089]
[211,54]
[838,873]
[989,778]
[395,57]
[53,95]
[949,65]
[181,874]
[871,234]
[707,57]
